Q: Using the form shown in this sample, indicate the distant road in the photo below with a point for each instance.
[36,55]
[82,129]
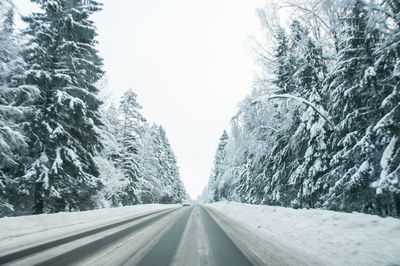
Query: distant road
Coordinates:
[181,236]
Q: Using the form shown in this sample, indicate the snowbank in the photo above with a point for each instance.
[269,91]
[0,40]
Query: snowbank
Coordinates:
[335,238]
[27,230]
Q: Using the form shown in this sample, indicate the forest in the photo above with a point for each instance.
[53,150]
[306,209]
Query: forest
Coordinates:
[321,126]
[64,146]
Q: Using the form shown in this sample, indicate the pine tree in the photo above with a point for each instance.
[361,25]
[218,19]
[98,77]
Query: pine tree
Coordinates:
[11,64]
[8,140]
[64,65]
[169,170]
[218,169]
[282,153]
[352,88]
[137,163]
[284,70]
[291,182]
[132,131]
[149,189]
[386,129]
[165,173]
[15,110]
[309,141]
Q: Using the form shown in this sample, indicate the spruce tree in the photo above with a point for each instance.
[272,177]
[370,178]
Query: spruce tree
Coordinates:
[218,169]
[149,189]
[131,136]
[352,87]
[288,154]
[285,68]
[15,110]
[291,180]
[309,141]
[386,128]
[64,65]
[166,171]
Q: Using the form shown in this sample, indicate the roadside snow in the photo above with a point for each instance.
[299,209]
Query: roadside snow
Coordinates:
[23,231]
[335,238]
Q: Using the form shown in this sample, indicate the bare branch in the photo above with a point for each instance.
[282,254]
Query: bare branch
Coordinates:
[312,12]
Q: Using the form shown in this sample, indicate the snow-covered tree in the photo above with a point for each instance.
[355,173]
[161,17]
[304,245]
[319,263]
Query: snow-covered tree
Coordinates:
[130,138]
[386,128]
[60,148]
[331,140]
[15,110]
[173,189]
[351,86]
[137,165]
[114,182]
[150,186]
[159,181]
[64,65]
[11,63]
[285,66]
[218,170]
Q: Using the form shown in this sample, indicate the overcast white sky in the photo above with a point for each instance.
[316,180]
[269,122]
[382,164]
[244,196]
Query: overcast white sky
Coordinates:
[190,64]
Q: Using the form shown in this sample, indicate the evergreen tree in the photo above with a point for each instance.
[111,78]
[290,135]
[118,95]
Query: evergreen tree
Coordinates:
[58,151]
[352,88]
[288,154]
[11,64]
[149,182]
[386,128]
[137,163]
[218,170]
[64,65]
[309,141]
[15,110]
[299,150]
[165,174]
[132,131]
[285,67]
[169,170]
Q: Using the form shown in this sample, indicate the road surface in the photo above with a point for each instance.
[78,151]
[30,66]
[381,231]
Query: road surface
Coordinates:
[180,236]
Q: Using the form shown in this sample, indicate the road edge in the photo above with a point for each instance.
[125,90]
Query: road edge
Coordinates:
[258,250]
[36,248]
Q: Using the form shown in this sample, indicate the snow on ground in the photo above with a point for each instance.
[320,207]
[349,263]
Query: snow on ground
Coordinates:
[33,229]
[335,238]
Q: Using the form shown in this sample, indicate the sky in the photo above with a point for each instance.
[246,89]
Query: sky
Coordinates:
[190,63]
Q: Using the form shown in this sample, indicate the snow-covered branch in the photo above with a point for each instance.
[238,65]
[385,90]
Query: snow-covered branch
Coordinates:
[299,99]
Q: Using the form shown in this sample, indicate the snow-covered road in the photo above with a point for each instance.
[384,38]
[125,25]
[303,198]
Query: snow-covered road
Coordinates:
[224,233]
[170,236]
[26,231]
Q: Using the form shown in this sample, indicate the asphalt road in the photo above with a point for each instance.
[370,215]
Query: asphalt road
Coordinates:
[183,236]
[221,249]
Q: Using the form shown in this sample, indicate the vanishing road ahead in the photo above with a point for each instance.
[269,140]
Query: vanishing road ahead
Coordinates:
[178,236]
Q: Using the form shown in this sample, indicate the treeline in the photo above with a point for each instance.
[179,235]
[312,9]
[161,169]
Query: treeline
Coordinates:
[321,128]
[61,149]
[136,164]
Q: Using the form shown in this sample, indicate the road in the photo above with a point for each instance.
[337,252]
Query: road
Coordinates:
[180,236]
